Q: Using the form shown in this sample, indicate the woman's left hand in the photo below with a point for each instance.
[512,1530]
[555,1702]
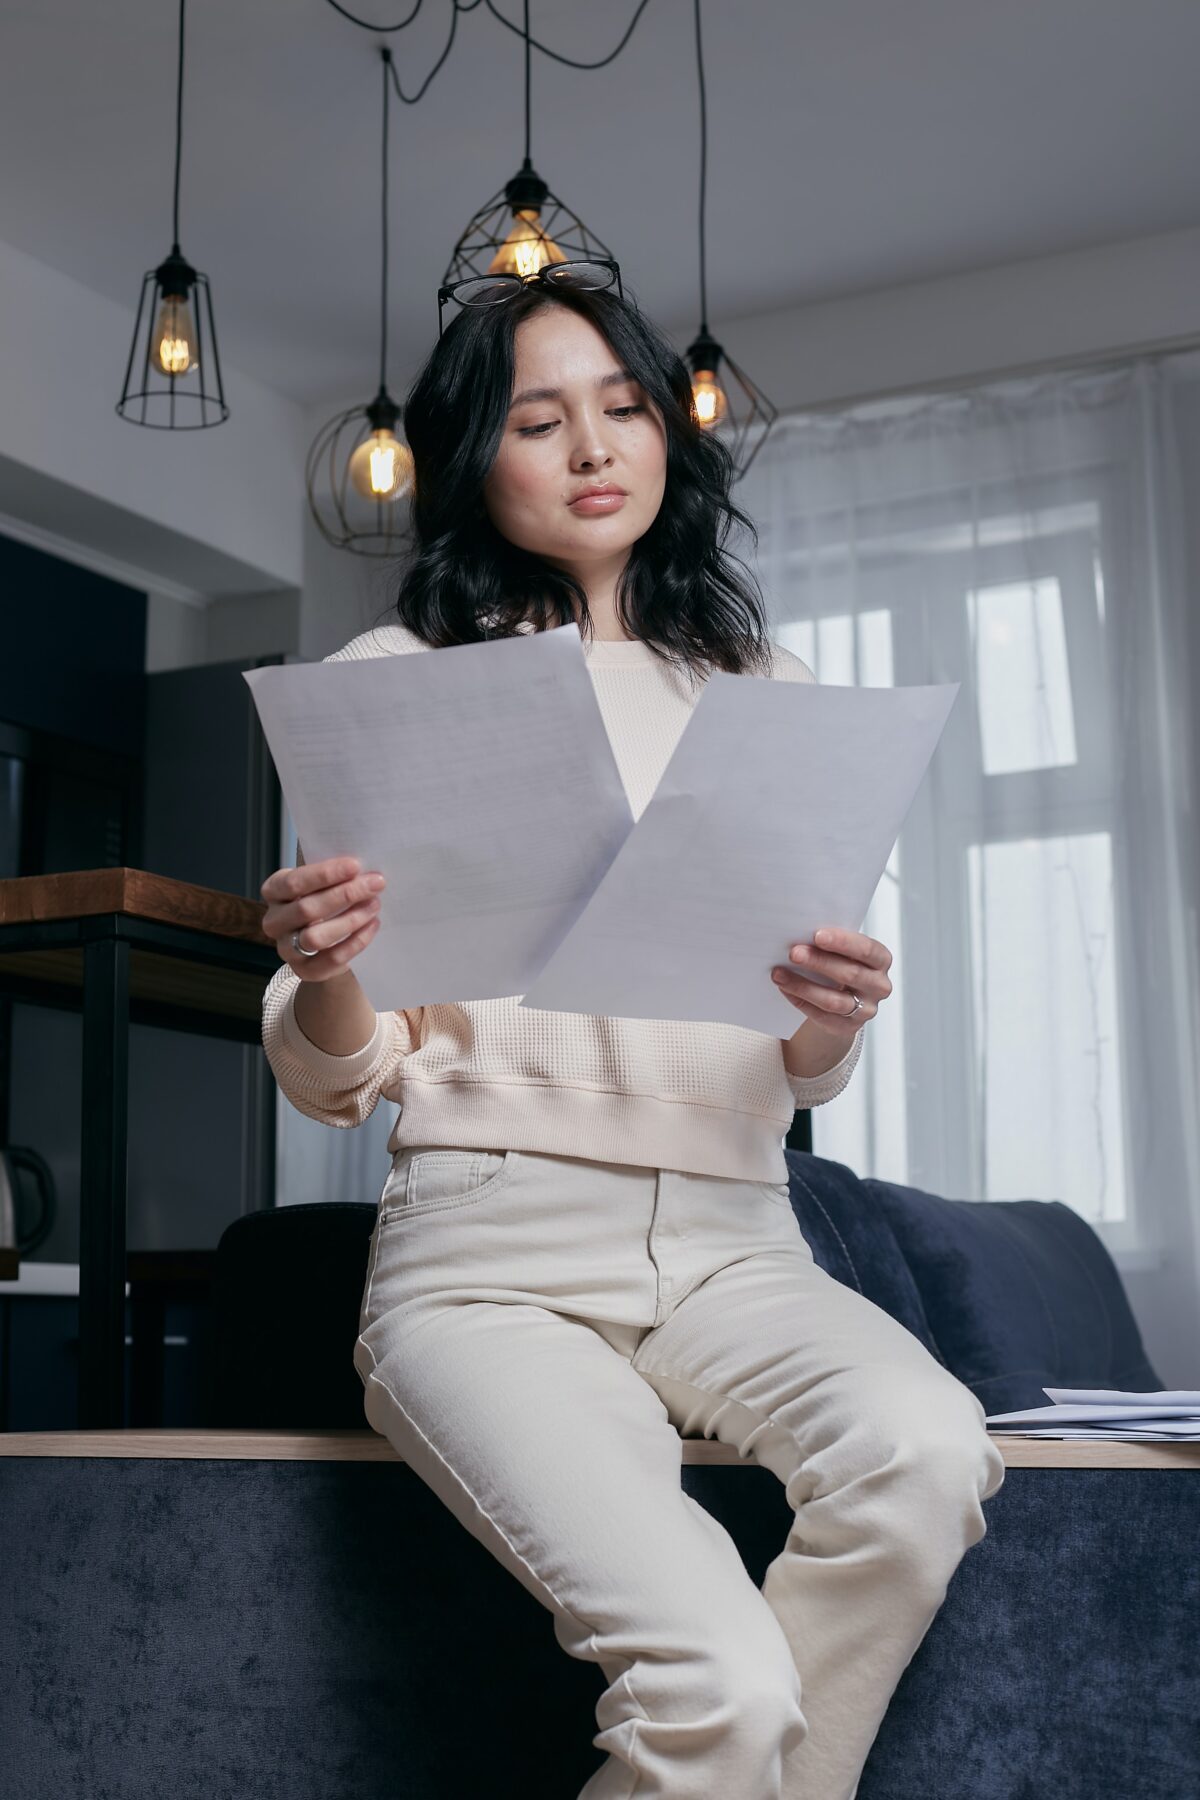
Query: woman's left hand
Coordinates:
[858,963]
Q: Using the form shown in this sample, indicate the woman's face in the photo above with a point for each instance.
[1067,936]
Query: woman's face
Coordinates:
[598,426]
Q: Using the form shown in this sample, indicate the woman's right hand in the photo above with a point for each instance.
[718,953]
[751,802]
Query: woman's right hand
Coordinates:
[333,906]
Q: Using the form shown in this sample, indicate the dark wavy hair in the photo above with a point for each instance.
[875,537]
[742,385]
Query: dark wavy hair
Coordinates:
[681,591]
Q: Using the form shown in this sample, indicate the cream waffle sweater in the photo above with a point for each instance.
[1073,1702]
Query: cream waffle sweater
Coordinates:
[491,1075]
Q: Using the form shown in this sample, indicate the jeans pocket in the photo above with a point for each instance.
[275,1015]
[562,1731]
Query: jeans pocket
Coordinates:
[441,1180]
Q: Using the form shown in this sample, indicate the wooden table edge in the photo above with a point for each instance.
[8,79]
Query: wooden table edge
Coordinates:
[364,1445]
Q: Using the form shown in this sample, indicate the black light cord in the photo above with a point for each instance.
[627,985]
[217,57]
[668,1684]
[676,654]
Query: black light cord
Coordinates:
[366,24]
[703,173]
[387,63]
[178,129]
[465,6]
[569,60]
[528,58]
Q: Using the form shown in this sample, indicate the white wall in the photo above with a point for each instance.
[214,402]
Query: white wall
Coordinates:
[1047,309]
[343,593]
[201,512]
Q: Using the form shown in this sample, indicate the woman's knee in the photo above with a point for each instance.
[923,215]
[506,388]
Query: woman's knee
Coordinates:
[754,1686]
[942,1466]
[943,1431]
[920,1443]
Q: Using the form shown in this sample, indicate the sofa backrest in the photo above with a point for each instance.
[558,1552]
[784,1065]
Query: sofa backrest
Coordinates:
[851,1238]
[1014,1295]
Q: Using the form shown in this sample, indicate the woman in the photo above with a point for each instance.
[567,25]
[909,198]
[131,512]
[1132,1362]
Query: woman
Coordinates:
[585,1245]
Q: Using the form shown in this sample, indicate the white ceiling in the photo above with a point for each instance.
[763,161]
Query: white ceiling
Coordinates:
[853,144]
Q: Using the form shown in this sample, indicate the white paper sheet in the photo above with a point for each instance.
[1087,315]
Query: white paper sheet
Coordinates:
[1098,1434]
[1076,1415]
[1185,1397]
[481,781]
[775,815]
[1107,1403]
[478,779]
[1170,1414]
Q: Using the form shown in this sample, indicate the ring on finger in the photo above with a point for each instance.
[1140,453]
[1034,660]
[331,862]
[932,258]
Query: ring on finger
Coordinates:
[859,1003]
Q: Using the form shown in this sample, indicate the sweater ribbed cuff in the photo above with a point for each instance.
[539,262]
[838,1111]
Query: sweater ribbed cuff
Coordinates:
[815,1090]
[335,1073]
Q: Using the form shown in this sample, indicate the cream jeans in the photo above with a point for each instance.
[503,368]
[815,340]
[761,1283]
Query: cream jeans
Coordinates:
[535,1334]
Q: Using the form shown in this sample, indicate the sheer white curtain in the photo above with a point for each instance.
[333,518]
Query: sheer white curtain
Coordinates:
[1026,539]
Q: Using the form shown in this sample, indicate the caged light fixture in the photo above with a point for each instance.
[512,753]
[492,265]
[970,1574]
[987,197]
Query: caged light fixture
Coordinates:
[178,374]
[523,227]
[358,469]
[750,416]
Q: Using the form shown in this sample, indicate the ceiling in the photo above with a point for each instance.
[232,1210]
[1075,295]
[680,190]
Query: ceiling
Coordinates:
[853,144]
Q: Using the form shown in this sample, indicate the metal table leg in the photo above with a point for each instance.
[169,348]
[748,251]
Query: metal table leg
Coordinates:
[103,1176]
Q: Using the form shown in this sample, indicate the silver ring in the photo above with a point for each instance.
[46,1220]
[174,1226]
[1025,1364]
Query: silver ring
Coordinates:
[297,945]
[850,1014]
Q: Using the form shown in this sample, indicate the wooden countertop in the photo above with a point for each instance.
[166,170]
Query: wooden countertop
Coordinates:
[78,893]
[156,976]
[367,1446]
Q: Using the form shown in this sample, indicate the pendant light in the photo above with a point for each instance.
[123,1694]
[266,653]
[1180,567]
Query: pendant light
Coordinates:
[177,370]
[750,409]
[358,470]
[524,226]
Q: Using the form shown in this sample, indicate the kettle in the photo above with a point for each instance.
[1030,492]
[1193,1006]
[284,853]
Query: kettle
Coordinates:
[25,1225]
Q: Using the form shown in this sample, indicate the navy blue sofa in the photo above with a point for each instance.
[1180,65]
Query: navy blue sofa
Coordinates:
[262,1628]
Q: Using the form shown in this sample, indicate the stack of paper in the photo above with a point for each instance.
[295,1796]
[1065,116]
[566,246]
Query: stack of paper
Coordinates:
[1173,1415]
[481,781]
